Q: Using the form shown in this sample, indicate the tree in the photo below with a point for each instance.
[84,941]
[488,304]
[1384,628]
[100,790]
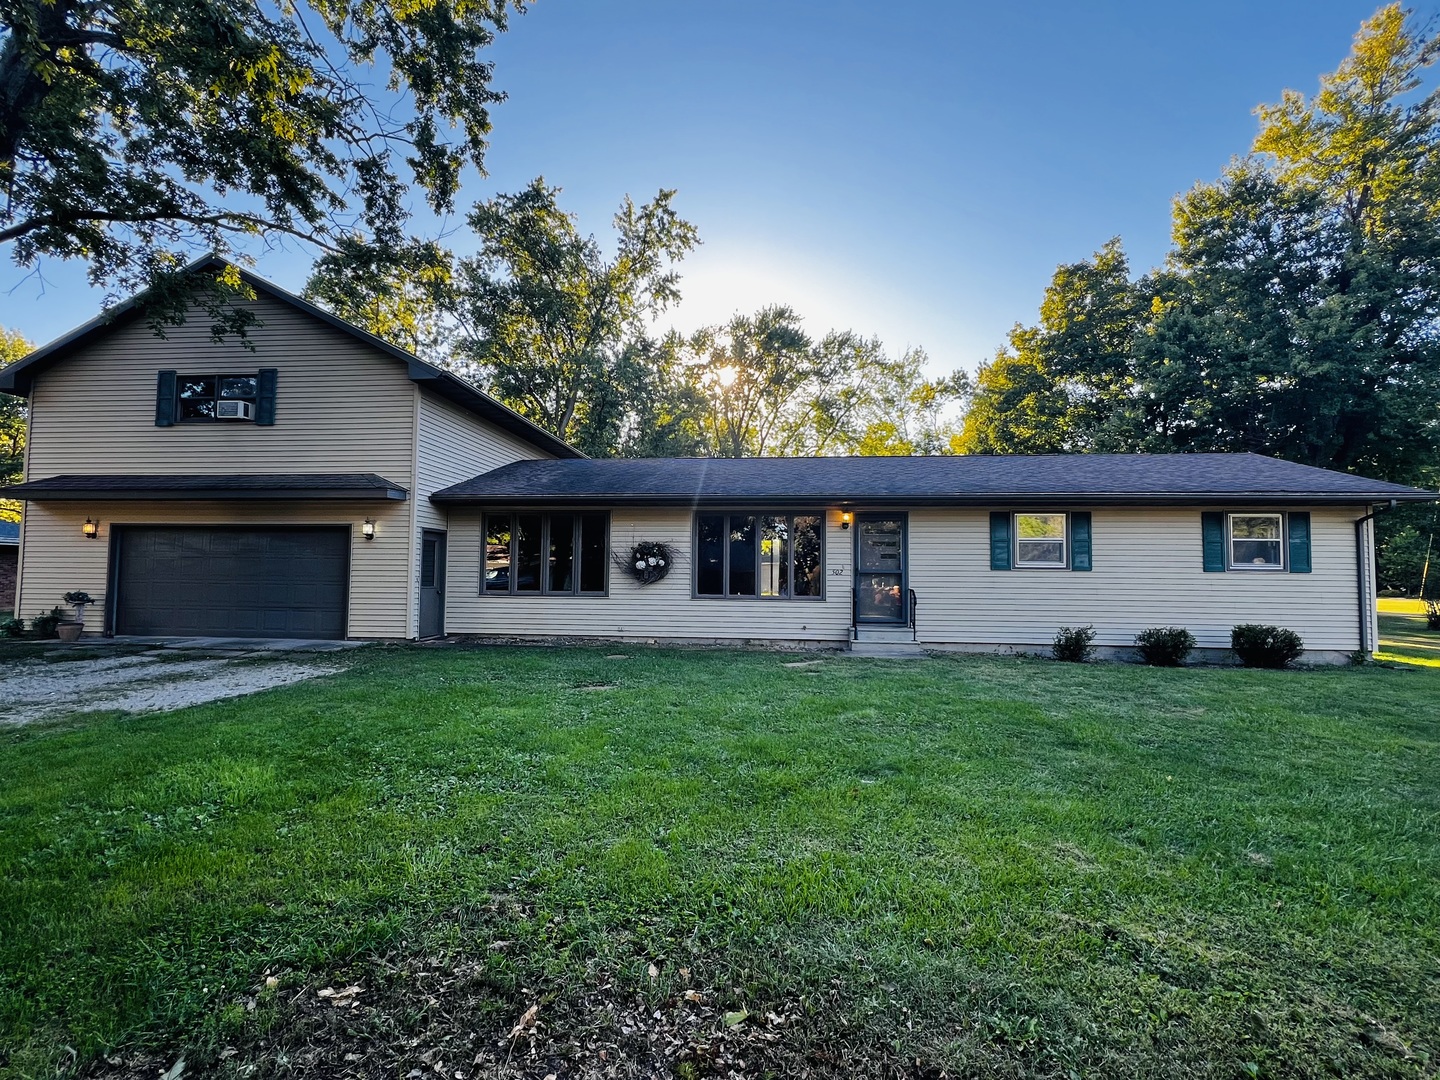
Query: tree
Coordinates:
[753,373]
[134,131]
[1017,406]
[546,317]
[771,390]
[401,294]
[12,424]
[540,316]
[1298,315]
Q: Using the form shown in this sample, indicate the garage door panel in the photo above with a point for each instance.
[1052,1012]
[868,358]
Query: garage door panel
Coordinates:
[230,582]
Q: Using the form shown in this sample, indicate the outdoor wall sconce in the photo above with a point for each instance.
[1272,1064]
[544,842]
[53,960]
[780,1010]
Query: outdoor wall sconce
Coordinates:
[844,519]
[91,529]
[368,529]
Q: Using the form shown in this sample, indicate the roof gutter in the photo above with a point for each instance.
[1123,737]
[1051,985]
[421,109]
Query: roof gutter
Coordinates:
[1010,500]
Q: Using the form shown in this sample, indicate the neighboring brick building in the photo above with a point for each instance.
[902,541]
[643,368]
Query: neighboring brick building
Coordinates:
[9,560]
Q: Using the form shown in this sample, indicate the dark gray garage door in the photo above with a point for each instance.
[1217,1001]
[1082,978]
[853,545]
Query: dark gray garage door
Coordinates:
[232,582]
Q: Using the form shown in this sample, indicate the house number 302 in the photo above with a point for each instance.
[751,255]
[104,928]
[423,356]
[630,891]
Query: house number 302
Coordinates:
[837,571]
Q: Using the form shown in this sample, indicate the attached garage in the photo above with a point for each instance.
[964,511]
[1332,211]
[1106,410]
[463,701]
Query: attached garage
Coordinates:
[231,581]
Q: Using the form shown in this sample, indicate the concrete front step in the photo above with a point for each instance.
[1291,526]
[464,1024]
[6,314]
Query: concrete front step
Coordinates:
[887,650]
[884,633]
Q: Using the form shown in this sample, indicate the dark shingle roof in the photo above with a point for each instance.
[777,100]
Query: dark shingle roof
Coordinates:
[968,480]
[354,486]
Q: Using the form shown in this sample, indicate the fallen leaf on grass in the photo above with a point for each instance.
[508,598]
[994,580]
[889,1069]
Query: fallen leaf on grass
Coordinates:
[653,972]
[694,995]
[526,1021]
[736,1018]
[341,999]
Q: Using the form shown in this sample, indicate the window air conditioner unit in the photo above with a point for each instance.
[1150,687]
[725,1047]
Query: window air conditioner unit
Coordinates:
[234,410]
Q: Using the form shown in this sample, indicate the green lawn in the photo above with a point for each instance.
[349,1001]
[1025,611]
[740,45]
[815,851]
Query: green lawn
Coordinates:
[990,866]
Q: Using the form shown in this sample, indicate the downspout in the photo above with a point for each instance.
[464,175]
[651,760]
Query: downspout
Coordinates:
[1362,594]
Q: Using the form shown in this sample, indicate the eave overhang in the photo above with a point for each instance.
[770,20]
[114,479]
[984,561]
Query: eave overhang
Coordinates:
[351,487]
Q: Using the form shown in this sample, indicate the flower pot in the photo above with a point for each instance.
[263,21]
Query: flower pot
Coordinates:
[69,630]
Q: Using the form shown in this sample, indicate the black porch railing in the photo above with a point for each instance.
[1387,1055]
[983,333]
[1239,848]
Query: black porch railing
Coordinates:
[914,603]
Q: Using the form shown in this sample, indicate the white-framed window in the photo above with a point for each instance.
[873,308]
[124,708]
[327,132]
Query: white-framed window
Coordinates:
[1042,541]
[1257,541]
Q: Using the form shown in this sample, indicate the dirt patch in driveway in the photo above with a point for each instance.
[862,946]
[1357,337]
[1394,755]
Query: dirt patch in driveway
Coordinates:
[151,681]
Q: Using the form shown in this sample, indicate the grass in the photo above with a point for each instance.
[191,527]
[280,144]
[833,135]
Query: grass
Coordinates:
[1405,639]
[989,866]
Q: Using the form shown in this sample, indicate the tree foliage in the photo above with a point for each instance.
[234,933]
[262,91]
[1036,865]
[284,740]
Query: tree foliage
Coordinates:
[559,329]
[133,132]
[12,423]
[1297,313]
[768,389]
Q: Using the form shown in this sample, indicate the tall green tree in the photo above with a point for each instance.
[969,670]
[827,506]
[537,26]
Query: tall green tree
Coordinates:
[134,133]
[12,424]
[541,316]
[1297,313]
[547,315]
[769,389]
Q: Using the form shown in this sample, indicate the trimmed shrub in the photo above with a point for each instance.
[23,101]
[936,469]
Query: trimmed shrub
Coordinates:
[12,628]
[1265,646]
[1164,646]
[1432,614]
[1072,644]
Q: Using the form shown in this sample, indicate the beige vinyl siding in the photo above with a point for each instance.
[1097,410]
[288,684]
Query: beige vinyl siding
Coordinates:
[58,558]
[453,444]
[1148,571]
[341,406]
[665,609]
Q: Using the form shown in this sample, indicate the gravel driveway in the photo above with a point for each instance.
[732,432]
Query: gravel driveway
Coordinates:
[153,680]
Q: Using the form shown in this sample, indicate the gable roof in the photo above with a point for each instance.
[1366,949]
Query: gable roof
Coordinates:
[18,377]
[977,480]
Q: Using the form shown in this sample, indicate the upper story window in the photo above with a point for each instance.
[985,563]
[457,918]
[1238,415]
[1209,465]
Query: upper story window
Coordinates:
[222,397]
[756,555]
[1257,542]
[203,397]
[1040,541]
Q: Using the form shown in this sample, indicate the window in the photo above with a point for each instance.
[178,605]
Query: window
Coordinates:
[197,396]
[547,554]
[1040,541]
[755,555]
[1257,541]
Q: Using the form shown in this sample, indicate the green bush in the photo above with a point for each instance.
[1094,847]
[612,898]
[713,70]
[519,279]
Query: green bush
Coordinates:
[1072,644]
[1164,646]
[12,628]
[1265,646]
[1432,614]
[44,625]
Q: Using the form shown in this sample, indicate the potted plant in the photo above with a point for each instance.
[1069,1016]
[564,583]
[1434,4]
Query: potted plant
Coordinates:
[80,599]
[70,629]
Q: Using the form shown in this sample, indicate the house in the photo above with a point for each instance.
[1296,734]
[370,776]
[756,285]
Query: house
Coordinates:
[277,490]
[9,562]
[322,483]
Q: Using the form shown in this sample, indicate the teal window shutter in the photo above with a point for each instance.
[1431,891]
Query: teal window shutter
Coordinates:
[165,399]
[1080,540]
[1212,537]
[265,395]
[1299,532]
[999,540]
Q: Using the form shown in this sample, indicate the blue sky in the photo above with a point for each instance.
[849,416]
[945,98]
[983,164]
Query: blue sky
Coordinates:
[910,170]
